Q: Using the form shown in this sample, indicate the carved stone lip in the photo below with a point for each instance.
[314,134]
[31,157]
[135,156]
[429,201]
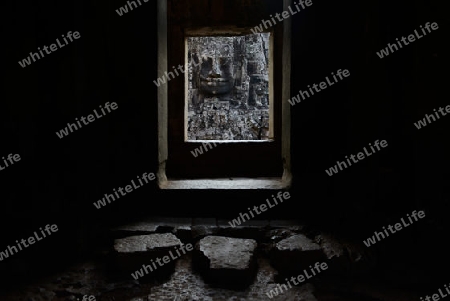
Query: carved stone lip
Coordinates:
[214,79]
[216,84]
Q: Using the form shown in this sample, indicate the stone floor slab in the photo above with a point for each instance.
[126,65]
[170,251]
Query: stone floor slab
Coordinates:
[295,253]
[226,261]
[132,252]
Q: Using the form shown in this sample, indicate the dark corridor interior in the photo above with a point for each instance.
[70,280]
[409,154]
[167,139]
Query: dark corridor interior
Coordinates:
[58,180]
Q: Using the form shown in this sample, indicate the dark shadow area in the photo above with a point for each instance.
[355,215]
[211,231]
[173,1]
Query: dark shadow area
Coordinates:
[57,179]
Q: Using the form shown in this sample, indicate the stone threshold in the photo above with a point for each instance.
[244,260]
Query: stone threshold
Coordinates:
[228,183]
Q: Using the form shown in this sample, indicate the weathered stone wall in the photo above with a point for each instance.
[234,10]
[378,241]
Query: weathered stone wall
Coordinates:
[228,90]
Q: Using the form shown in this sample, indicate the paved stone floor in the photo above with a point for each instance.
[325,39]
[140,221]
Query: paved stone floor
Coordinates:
[185,283]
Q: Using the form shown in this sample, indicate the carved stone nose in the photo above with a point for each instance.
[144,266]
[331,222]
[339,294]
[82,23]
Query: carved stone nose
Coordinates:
[215,71]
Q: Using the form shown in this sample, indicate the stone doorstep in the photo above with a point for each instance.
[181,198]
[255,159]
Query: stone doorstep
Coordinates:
[288,250]
[225,261]
[298,242]
[132,252]
[295,253]
[182,230]
[146,243]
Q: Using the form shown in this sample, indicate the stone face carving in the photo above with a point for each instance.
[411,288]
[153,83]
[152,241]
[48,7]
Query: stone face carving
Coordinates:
[215,75]
[228,87]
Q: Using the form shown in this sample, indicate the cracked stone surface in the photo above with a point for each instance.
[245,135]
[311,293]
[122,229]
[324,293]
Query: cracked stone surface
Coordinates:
[137,227]
[228,253]
[298,242]
[180,227]
[295,253]
[225,260]
[130,253]
[144,243]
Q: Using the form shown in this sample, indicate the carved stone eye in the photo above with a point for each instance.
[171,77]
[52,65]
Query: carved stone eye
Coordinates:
[224,61]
